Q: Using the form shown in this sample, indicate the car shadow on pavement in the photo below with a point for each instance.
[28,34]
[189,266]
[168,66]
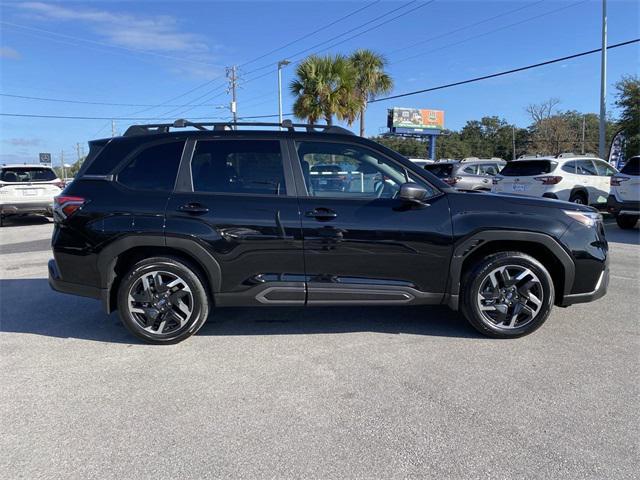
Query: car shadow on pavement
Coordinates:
[25,220]
[30,306]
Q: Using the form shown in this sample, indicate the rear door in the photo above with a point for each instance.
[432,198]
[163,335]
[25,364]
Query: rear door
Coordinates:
[362,245]
[588,178]
[605,172]
[237,200]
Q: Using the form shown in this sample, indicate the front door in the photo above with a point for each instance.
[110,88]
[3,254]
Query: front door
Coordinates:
[362,245]
[236,198]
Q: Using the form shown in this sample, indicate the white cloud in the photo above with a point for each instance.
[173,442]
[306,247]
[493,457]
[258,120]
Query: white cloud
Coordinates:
[156,34]
[8,52]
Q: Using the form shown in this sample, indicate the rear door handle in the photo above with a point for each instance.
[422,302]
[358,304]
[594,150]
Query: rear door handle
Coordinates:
[321,214]
[194,208]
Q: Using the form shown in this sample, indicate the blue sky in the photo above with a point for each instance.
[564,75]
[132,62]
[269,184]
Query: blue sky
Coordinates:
[154,52]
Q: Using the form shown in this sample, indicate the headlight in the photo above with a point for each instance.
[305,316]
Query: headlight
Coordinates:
[586,218]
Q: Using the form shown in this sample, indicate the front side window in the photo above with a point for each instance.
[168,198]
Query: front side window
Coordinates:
[604,169]
[586,167]
[153,168]
[350,171]
[238,166]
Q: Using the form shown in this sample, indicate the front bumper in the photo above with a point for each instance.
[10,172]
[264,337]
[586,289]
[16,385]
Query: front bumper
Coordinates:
[12,208]
[59,285]
[599,292]
[617,207]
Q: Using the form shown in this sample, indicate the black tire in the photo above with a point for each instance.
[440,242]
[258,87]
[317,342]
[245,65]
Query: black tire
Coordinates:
[474,279]
[578,197]
[626,221]
[197,301]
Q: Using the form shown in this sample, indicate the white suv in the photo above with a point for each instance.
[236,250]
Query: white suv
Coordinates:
[27,189]
[624,201]
[572,178]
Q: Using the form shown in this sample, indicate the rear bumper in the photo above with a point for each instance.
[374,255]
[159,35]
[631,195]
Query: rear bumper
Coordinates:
[617,207]
[59,285]
[11,208]
[598,292]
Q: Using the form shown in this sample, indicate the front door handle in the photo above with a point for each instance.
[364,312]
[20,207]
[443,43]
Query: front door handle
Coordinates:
[321,214]
[194,208]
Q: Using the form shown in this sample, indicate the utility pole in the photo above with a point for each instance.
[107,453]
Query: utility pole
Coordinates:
[113,128]
[281,63]
[603,84]
[513,141]
[584,126]
[62,163]
[78,150]
[232,75]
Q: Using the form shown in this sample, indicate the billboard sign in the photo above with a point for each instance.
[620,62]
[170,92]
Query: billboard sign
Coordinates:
[45,158]
[415,118]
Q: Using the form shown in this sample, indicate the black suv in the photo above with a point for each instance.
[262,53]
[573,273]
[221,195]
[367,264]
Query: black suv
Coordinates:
[165,224]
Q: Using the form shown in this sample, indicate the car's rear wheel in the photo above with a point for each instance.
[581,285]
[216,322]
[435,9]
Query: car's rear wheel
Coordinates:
[162,300]
[578,197]
[626,221]
[507,295]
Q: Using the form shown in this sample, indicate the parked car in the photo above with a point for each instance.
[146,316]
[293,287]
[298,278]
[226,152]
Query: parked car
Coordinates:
[167,225]
[468,174]
[328,177]
[624,200]
[421,162]
[572,178]
[27,189]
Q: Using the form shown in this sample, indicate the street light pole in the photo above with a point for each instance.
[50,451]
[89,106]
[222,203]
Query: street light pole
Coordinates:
[603,84]
[281,64]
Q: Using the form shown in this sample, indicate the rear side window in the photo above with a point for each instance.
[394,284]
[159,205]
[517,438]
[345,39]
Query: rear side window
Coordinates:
[27,174]
[632,167]
[488,169]
[441,170]
[528,168]
[238,166]
[585,167]
[153,168]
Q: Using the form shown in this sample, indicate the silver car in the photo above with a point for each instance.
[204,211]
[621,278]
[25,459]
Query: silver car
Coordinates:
[468,174]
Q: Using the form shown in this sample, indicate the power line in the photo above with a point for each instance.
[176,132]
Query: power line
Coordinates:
[310,34]
[74,117]
[506,72]
[83,102]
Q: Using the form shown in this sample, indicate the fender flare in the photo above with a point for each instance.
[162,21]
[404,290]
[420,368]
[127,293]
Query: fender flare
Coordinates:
[108,258]
[468,244]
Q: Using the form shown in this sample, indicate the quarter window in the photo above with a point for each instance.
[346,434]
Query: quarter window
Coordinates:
[238,166]
[350,171]
[569,167]
[154,168]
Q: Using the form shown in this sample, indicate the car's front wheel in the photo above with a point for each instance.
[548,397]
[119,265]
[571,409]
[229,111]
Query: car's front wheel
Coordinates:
[507,295]
[626,221]
[162,300]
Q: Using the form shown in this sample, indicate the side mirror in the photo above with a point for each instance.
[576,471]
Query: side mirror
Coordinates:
[412,193]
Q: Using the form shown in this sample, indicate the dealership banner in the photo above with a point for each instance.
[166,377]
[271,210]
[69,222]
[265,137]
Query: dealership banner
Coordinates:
[616,151]
[415,118]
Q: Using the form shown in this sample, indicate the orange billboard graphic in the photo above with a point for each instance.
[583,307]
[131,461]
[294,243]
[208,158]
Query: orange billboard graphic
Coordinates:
[416,118]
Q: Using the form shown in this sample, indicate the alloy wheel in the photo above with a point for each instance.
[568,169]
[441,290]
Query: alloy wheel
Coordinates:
[510,297]
[160,302]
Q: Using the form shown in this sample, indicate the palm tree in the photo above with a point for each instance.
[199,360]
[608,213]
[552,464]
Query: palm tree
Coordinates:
[371,79]
[324,87]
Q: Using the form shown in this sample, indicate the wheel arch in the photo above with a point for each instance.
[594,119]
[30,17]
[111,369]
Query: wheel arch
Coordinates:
[542,247]
[582,191]
[115,260]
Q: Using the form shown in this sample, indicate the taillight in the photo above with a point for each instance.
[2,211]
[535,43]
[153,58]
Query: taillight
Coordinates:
[65,206]
[59,184]
[451,180]
[548,179]
[617,181]
[495,180]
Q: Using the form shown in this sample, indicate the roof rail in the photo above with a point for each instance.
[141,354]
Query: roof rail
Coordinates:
[222,126]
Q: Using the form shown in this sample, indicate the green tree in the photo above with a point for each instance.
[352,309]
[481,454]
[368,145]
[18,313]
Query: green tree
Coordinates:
[324,87]
[409,147]
[628,101]
[370,79]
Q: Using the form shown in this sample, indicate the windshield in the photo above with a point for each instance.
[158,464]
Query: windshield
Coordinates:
[440,170]
[27,174]
[528,168]
[632,167]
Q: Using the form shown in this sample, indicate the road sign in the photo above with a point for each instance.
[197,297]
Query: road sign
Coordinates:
[45,158]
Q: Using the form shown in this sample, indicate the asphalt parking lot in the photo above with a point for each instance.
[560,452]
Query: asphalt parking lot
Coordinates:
[317,393]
